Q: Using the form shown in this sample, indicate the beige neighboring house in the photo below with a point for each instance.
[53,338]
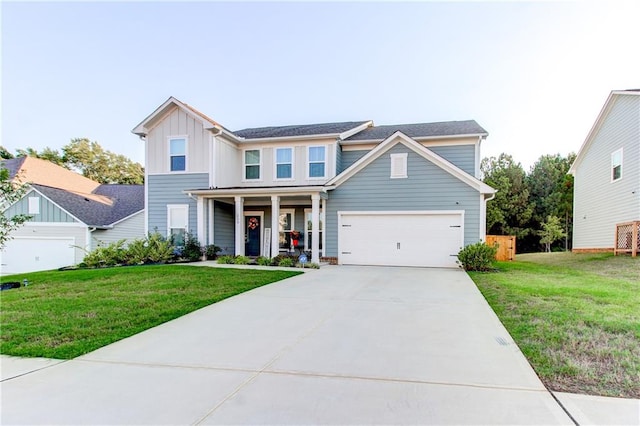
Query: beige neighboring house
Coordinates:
[607,176]
[70,216]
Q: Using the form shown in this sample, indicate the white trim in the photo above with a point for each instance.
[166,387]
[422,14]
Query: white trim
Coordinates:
[611,165]
[308,163]
[128,217]
[244,165]
[369,145]
[420,139]
[54,203]
[292,227]
[275,163]
[399,160]
[358,129]
[55,224]
[324,225]
[186,152]
[399,137]
[287,139]
[200,220]
[177,206]
[213,156]
[261,233]
[259,192]
[142,130]
[211,219]
[146,188]
[33,205]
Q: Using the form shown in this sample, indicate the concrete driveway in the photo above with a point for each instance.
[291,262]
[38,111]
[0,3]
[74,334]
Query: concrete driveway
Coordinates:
[342,345]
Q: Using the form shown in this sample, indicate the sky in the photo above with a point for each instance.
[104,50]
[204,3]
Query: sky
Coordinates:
[535,75]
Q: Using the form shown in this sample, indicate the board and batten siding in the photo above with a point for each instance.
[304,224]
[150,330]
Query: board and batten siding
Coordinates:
[462,156]
[128,229]
[427,187]
[167,189]
[49,212]
[77,231]
[599,203]
[178,123]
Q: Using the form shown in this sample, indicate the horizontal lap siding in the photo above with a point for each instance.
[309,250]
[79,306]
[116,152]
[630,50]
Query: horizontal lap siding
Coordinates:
[427,188]
[49,212]
[167,189]
[128,230]
[463,156]
[599,203]
[224,227]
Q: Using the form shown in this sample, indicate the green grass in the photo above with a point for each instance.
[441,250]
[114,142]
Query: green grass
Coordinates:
[576,317]
[64,314]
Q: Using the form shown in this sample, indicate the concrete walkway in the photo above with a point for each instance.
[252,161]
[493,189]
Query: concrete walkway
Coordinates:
[342,345]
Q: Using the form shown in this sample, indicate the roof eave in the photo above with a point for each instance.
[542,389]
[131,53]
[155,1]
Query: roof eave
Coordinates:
[417,138]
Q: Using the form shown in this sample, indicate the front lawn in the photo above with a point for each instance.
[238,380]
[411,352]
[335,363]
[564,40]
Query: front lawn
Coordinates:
[576,317]
[67,314]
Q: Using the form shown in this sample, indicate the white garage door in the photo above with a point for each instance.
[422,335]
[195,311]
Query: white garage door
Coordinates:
[36,254]
[431,239]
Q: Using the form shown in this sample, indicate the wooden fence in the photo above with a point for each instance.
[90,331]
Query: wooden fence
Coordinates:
[506,246]
[627,238]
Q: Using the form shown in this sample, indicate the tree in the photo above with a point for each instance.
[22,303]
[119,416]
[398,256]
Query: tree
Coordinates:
[10,192]
[551,191]
[509,212]
[47,153]
[5,154]
[551,232]
[103,166]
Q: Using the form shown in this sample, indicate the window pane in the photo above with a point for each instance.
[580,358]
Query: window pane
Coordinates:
[283,155]
[316,153]
[178,163]
[252,172]
[617,172]
[252,157]
[177,236]
[285,222]
[283,171]
[316,170]
[177,147]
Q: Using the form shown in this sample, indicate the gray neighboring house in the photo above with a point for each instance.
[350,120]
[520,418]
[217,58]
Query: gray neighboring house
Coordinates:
[607,174]
[348,192]
[70,216]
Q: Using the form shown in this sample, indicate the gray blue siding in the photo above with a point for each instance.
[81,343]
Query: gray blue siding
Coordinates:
[427,187]
[462,156]
[129,229]
[350,157]
[224,227]
[49,212]
[167,189]
[599,203]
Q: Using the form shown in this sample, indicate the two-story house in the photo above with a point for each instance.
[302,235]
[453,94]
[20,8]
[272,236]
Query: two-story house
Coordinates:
[349,192]
[607,178]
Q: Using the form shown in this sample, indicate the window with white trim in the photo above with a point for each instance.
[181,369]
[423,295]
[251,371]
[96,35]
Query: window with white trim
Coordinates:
[399,166]
[309,223]
[34,205]
[316,159]
[177,223]
[177,154]
[286,223]
[252,164]
[616,165]
[284,163]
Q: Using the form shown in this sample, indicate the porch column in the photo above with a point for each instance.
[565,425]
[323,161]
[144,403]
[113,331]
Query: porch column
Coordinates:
[239,241]
[275,225]
[211,221]
[323,204]
[315,225]
[200,220]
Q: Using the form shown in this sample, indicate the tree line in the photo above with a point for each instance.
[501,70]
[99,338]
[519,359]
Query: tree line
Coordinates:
[89,159]
[536,207]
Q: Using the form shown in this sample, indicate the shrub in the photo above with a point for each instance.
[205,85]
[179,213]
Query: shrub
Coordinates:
[159,249]
[242,260]
[191,250]
[211,251]
[263,261]
[286,262]
[226,259]
[477,257]
[109,255]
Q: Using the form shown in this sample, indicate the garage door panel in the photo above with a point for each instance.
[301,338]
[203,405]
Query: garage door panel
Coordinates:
[400,239]
[36,254]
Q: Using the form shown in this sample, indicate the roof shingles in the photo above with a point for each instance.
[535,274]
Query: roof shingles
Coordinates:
[418,130]
[298,130]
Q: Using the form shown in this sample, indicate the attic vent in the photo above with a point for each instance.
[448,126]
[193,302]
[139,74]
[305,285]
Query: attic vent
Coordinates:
[399,166]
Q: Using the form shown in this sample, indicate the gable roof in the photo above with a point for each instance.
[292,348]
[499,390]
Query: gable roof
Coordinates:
[598,123]
[400,138]
[43,172]
[320,129]
[125,200]
[421,130]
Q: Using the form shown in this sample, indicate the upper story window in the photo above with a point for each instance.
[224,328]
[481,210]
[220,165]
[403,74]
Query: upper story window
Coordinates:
[399,166]
[252,164]
[317,161]
[616,165]
[284,163]
[178,154]
[34,205]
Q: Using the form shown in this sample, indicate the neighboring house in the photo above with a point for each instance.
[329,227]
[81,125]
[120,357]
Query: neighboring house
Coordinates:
[356,193]
[607,174]
[70,215]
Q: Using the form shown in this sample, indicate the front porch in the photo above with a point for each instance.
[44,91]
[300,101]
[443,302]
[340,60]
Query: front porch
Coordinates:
[263,221]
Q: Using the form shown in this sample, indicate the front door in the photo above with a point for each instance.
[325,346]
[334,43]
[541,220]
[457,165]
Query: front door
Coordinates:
[252,241]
